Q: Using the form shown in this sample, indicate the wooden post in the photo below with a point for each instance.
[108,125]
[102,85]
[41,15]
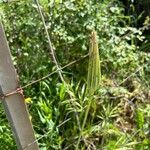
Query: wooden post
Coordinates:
[14,105]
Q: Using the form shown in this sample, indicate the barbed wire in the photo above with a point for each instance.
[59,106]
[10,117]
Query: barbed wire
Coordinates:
[65,67]
[50,74]
[52,52]
[20,89]
[58,70]
[132,74]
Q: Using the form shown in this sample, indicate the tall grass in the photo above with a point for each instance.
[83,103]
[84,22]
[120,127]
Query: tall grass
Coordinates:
[94,69]
[93,79]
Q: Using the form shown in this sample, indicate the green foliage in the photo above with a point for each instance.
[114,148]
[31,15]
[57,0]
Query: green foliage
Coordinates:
[139,119]
[6,139]
[113,119]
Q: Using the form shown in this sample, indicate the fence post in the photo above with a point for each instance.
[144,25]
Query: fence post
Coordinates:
[14,105]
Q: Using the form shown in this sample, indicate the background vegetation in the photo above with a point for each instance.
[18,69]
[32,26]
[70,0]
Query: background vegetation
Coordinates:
[119,116]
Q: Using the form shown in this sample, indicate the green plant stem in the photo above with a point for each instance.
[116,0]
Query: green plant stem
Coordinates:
[83,125]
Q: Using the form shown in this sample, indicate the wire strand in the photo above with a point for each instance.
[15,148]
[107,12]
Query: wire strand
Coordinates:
[18,90]
[49,41]
[46,134]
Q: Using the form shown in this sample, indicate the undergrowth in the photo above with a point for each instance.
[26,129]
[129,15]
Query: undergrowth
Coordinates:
[104,103]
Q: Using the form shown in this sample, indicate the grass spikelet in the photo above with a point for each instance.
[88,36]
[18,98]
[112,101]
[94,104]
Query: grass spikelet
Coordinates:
[94,69]
[93,79]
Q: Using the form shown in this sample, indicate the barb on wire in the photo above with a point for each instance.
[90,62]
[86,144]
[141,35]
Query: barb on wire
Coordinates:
[52,52]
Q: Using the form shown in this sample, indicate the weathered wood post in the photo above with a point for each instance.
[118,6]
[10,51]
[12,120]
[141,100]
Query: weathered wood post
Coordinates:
[14,104]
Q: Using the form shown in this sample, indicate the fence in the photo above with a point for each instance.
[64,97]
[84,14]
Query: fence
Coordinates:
[11,92]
